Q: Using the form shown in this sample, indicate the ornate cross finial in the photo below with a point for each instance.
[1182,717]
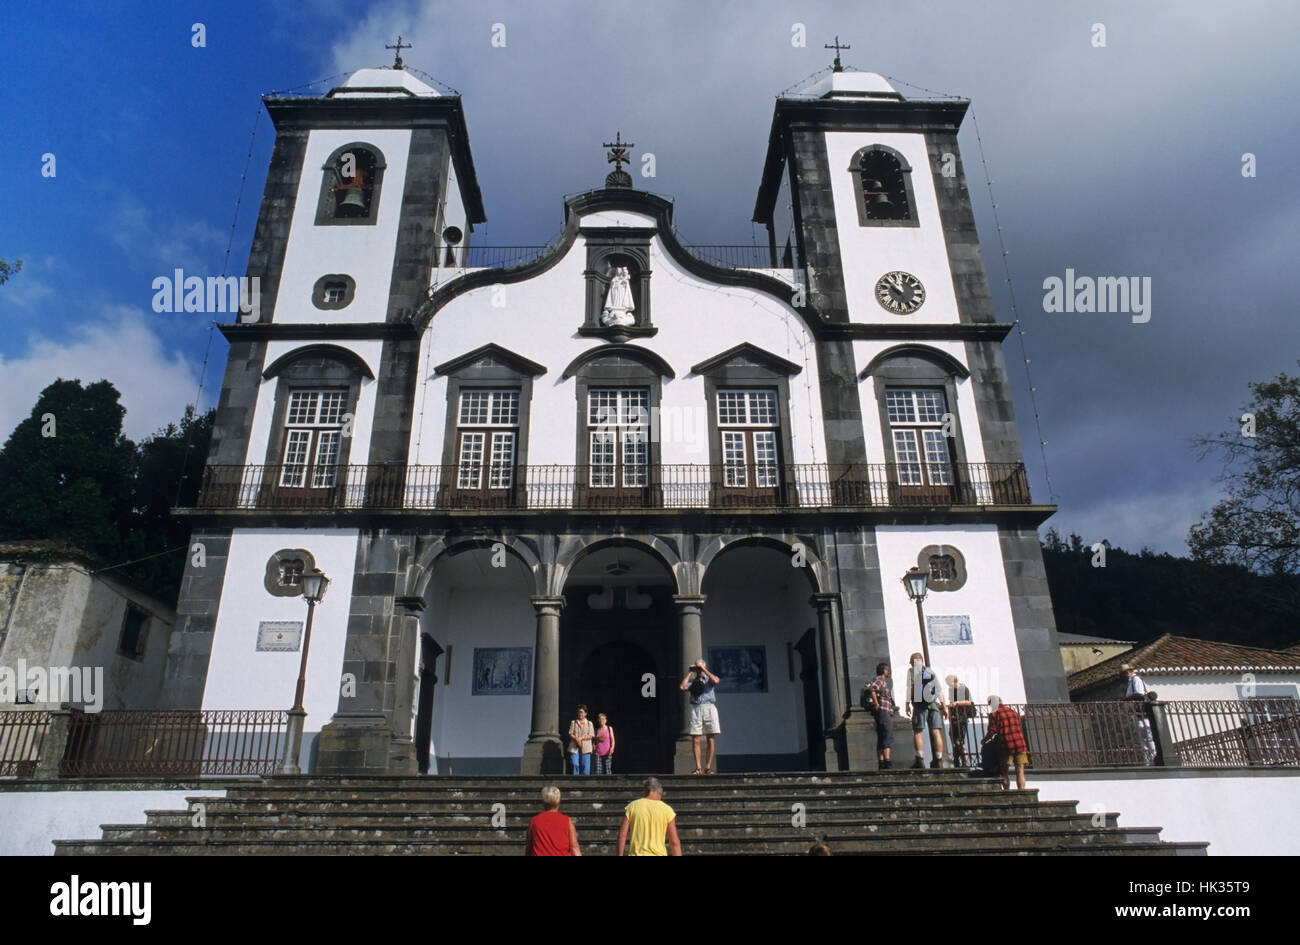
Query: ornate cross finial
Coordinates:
[837,47]
[397,57]
[618,157]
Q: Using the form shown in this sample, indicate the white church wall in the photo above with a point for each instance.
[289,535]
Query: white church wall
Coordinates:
[242,677]
[467,726]
[1222,808]
[364,252]
[871,251]
[538,320]
[751,601]
[30,821]
[990,665]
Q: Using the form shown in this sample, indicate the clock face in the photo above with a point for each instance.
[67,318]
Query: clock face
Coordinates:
[900,292]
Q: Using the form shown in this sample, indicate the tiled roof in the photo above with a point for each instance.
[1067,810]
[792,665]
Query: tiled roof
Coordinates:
[1079,639]
[1173,654]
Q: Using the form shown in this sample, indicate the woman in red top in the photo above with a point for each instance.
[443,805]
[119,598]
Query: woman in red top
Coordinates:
[1007,738]
[551,833]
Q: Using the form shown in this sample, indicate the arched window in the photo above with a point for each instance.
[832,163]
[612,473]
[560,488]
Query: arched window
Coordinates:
[350,182]
[884,187]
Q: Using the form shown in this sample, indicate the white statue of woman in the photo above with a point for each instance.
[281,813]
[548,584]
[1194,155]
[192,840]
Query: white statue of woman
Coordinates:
[618,301]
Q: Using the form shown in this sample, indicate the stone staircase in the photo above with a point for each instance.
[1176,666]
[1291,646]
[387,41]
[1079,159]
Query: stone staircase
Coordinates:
[898,812]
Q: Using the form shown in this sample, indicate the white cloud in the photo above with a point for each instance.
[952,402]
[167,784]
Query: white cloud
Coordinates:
[119,345]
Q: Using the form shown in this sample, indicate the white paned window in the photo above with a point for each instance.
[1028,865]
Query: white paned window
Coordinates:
[748,422]
[487,420]
[313,438]
[618,425]
[916,427]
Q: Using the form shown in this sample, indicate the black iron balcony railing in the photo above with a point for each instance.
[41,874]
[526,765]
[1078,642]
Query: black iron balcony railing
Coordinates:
[504,257]
[704,487]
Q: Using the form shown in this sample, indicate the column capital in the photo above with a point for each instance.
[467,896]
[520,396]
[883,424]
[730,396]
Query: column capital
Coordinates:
[824,601]
[688,601]
[412,605]
[546,604]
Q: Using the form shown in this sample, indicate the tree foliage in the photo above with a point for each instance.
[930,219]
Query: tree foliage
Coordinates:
[1257,525]
[1139,596]
[69,474]
[9,269]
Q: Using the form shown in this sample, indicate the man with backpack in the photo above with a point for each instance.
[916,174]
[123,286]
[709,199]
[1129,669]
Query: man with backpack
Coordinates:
[926,708]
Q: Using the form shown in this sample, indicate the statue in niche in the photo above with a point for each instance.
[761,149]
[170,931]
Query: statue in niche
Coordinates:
[618,309]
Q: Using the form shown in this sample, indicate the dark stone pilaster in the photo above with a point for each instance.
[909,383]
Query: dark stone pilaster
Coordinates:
[1031,613]
[969,282]
[266,256]
[370,731]
[190,648]
[993,405]
[866,640]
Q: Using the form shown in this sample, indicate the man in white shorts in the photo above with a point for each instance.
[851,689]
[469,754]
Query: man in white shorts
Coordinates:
[700,683]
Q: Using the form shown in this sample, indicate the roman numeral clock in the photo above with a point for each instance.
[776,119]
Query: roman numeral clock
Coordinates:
[900,292]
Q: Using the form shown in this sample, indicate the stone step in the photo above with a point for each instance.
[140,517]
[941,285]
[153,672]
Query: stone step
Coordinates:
[995,834]
[854,810]
[1044,844]
[287,820]
[962,788]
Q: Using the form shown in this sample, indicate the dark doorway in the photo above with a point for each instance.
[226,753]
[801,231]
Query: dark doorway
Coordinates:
[812,700]
[611,682]
[605,656]
[429,653]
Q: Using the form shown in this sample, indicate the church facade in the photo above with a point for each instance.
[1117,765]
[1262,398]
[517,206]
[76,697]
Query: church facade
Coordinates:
[564,475]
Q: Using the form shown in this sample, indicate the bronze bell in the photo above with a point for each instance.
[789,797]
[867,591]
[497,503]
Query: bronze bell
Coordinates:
[876,193]
[353,202]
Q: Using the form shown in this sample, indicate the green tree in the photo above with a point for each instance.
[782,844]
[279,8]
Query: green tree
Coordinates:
[169,467]
[1258,524]
[9,270]
[66,471]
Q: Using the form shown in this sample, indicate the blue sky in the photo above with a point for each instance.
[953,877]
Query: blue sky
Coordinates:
[1115,160]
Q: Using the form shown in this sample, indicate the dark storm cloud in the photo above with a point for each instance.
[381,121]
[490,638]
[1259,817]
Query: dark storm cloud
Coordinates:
[1115,161]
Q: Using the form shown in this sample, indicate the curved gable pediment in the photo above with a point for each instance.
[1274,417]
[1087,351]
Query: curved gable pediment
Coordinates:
[613,352]
[348,358]
[940,359]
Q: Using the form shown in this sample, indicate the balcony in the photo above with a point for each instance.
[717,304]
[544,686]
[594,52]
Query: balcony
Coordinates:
[582,488]
[505,257]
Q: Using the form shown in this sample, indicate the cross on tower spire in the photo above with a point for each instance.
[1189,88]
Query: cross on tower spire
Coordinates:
[397,57]
[837,47]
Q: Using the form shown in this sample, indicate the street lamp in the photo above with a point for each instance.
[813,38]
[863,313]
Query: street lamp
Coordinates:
[314,584]
[915,582]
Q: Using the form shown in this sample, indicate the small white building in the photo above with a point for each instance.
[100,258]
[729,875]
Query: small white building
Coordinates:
[1183,669]
[72,633]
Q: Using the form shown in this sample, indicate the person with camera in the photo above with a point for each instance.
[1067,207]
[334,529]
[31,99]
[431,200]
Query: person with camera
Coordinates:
[1136,691]
[700,684]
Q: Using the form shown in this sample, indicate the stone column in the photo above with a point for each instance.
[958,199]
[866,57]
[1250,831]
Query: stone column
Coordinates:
[543,752]
[690,647]
[833,682]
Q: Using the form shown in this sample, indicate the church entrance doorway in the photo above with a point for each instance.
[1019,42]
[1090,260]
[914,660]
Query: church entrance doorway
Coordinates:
[617,647]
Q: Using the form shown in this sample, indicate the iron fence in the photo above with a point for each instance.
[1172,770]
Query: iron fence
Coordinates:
[22,736]
[174,743]
[662,486]
[503,257]
[1194,733]
[1234,733]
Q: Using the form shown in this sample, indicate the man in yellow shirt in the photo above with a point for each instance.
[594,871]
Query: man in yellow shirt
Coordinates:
[649,820]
